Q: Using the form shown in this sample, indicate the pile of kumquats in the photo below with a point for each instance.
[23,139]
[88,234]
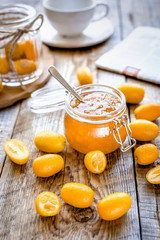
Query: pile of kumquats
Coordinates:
[80,195]
[24,58]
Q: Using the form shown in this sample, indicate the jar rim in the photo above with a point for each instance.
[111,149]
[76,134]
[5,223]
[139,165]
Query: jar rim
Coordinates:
[95,119]
[27,14]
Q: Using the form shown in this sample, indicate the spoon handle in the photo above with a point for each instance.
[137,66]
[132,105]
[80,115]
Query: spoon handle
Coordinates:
[53,71]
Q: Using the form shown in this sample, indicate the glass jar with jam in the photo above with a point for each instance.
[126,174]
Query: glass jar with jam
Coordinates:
[20,46]
[98,123]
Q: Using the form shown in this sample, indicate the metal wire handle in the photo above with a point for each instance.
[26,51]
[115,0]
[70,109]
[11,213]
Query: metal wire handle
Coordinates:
[123,122]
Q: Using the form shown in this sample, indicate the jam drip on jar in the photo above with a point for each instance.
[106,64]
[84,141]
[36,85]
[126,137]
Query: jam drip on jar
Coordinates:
[96,103]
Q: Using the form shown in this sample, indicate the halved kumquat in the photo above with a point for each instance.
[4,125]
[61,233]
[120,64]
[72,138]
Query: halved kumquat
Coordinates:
[95,161]
[153,175]
[17,151]
[48,204]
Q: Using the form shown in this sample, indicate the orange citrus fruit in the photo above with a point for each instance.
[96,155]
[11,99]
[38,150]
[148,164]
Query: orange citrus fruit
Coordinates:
[146,154]
[25,66]
[153,175]
[17,151]
[47,204]
[149,111]
[144,130]
[47,165]
[84,75]
[1,86]
[77,194]
[4,66]
[134,93]
[95,161]
[49,141]
[114,206]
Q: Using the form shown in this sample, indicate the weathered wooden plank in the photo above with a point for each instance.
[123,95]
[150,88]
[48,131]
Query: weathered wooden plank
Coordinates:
[9,115]
[7,121]
[133,14]
[19,185]
[148,195]
[120,174]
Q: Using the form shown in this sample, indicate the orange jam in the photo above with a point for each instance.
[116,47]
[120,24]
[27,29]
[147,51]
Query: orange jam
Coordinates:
[89,124]
[96,103]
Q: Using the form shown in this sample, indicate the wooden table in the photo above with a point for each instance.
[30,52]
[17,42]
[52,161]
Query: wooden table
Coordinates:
[19,187]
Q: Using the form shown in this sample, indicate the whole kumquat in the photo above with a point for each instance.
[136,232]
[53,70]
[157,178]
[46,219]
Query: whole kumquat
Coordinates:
[146,154]
[77,194]
[134,93]
[144,130]
[1,86]
[84,75]
[49,141]
[149,111]
[30,50]
[25,66]
[47,165]
[4,65]
[114,206]
[18,51]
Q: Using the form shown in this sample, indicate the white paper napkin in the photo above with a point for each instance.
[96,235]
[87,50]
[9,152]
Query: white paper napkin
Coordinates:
[137,56]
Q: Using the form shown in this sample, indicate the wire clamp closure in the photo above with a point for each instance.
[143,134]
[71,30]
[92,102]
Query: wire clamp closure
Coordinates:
[120,122]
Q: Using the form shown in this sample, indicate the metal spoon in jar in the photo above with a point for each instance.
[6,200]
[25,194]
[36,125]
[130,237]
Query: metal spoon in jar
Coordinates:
[53,71]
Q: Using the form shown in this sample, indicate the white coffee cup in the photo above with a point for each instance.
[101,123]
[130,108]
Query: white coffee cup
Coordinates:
[71,17]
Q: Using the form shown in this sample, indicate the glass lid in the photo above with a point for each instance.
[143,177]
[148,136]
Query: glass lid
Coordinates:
[47,100]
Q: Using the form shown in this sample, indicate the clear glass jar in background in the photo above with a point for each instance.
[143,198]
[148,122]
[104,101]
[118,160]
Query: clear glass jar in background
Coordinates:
[85,132]
[27,53]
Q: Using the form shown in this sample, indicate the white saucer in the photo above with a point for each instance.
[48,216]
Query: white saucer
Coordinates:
[95,33]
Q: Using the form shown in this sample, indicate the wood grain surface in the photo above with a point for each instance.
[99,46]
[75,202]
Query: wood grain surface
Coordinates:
[19,187]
